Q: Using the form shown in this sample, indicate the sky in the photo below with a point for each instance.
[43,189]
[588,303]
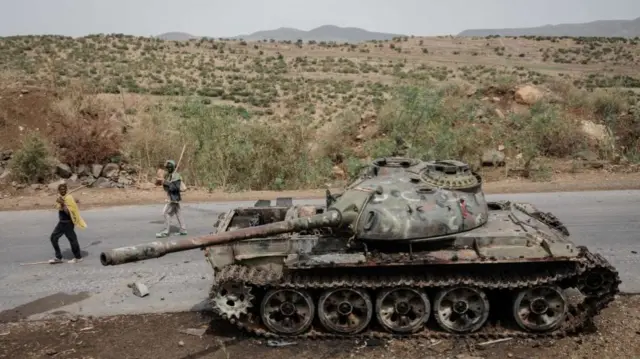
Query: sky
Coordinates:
[216,18]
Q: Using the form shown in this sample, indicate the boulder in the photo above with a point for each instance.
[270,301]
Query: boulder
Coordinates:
[5,174]
[96,170]
[528,95]
[595,131]
[6,155]
[493,158]
[63,170]
[83,170]
[102,183]
[111,170]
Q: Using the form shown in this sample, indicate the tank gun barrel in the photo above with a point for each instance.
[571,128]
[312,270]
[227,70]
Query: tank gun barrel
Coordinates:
[331,218]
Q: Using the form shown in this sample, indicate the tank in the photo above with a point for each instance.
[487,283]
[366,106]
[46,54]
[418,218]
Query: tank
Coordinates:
[410,248]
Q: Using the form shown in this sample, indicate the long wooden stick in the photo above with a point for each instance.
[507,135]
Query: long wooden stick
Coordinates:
[184,147]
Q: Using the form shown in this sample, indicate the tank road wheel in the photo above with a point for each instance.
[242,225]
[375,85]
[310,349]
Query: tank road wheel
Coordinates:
[461,309]
[345,310]
[402,310]
[231,299]
[540,308]
[287,311]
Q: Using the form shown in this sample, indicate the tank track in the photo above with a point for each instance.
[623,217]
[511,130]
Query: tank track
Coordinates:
[579,317]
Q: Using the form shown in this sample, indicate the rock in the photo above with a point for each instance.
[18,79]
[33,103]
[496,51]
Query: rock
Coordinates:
[5,175]
[102,183]
[110,170]
[96,170]
[586,155]
[17,185]
[124,178]
[36,186]
[131,169]
[6,155]
[140,289]
[528,95]
[595,131]
[83,171]
[88,181]
[51,352]
[63,170]
[73,178]
[499,114]
[493,158]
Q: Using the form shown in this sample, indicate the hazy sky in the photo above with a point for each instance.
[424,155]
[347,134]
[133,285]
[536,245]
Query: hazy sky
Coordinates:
[218,18]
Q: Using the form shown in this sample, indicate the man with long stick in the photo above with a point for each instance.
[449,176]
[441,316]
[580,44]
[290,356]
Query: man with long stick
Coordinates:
[171,184]
[68,218]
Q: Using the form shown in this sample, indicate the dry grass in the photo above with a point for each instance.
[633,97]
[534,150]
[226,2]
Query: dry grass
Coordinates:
[271,115]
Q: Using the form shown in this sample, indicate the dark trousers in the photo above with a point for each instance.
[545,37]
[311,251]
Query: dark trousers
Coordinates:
[67,229]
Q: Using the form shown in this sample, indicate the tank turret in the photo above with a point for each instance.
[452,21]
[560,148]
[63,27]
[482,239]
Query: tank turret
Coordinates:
[399,200]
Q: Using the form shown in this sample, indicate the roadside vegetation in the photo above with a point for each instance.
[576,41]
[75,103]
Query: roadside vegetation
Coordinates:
[269,115]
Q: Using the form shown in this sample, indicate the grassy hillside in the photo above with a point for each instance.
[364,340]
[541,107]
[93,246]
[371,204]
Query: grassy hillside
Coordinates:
[600,28]
[274,115]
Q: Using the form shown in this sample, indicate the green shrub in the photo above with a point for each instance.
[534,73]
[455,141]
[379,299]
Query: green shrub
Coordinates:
[31,163]
[228,150]
[434,127]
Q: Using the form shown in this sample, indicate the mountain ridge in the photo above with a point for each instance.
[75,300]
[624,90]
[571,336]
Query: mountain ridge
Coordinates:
[320,33]
[598,28]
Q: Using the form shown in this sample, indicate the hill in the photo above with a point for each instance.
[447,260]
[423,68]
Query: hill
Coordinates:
[323,33]
[600,28]
[176,36]
[278,115]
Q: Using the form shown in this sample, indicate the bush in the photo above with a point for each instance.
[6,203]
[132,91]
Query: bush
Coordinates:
[226,150]
[433,125]
[82,131]
[31,163]
[154,139]
[230,152]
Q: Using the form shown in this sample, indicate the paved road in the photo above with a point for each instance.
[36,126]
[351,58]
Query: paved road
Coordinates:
[607,222]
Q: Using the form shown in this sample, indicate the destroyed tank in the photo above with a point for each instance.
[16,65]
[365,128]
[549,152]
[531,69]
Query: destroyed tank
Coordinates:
[411,248]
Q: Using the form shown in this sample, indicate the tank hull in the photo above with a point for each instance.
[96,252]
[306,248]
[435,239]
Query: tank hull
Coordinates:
[499,271]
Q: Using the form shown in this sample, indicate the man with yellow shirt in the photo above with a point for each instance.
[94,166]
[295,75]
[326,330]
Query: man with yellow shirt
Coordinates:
[68,218]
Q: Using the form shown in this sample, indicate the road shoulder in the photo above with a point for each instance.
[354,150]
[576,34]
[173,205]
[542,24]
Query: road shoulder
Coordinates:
[92,198]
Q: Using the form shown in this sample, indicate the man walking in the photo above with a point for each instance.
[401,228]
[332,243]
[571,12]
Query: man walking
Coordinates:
[68,218]
[171,184]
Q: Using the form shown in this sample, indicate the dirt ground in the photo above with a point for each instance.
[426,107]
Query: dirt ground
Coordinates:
[91,198]
[160,336]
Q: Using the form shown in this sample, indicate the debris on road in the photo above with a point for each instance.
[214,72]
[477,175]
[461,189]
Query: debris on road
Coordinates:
[494,341]
[198,332]
[279,343]
[140,289]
